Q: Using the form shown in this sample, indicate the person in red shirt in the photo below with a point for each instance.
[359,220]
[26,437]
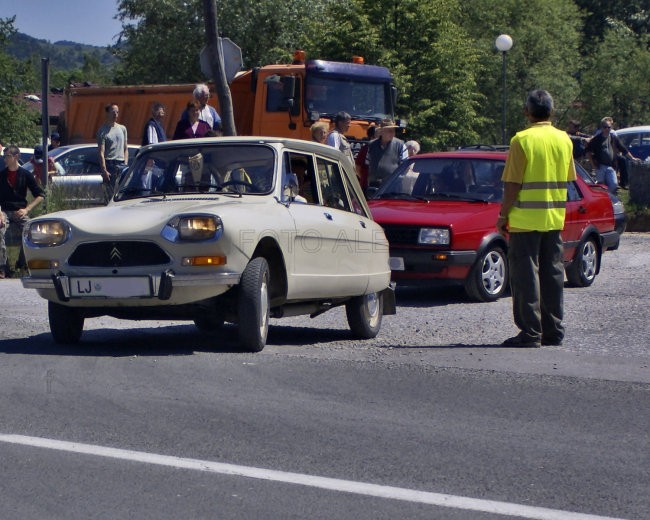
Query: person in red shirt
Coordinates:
[14,183]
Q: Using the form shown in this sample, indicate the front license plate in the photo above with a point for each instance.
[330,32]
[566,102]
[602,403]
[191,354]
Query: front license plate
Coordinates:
[109,287]
[396,263]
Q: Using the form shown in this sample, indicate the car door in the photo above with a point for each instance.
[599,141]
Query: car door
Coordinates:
[574,221]
[81,180]
[325,252]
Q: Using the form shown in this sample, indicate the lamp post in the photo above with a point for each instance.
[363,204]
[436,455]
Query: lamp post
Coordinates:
[504,44]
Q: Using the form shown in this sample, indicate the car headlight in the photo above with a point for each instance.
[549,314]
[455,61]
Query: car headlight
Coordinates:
[193,227]
[434,236]
[47,233]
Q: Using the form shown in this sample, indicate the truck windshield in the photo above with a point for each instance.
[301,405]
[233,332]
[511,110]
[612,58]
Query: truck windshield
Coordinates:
[361,99]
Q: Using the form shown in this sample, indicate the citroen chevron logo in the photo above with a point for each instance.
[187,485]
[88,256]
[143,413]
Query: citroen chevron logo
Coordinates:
[115,255]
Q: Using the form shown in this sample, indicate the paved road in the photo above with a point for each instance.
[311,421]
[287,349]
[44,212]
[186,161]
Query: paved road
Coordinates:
[432,419]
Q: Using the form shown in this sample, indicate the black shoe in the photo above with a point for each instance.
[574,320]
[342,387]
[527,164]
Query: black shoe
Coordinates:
[522,341]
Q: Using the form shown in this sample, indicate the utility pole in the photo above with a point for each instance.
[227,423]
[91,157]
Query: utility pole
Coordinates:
[217,68]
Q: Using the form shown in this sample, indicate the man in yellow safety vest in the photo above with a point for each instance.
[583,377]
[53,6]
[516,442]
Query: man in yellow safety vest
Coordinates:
[538,169]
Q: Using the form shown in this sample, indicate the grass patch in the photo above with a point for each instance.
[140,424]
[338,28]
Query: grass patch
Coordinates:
[638,215]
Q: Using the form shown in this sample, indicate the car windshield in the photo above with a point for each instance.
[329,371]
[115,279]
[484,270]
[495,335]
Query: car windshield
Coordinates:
[207,168]
[446,178]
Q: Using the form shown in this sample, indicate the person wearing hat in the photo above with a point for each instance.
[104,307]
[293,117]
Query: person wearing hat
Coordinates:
[37,164]
[55,141]
[385,154]
[336,137]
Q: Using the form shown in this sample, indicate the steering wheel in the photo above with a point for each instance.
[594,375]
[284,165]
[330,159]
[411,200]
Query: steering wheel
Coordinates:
[246,184]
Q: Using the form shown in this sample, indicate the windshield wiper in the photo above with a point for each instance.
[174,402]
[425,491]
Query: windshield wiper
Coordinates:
[458,196]
[399,195]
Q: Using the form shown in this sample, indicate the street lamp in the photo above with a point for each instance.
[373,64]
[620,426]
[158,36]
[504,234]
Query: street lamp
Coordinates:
[503,44]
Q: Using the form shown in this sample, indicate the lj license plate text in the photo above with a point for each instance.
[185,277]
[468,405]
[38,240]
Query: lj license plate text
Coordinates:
[110,287]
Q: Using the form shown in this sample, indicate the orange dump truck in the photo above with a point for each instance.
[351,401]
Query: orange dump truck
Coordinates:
[274,100]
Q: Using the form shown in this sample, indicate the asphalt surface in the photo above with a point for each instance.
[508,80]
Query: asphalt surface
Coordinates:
[433,404]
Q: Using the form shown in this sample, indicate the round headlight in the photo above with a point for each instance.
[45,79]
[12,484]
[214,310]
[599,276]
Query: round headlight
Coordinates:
[193,227]
[47,233]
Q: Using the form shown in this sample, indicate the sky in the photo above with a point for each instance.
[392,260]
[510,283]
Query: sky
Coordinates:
[81,21]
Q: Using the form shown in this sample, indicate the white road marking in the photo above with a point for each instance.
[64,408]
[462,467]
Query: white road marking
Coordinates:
[332,484]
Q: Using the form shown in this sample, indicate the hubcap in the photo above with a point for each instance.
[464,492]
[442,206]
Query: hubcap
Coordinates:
[589,260]
[264,308]
[494,273]
[372,307]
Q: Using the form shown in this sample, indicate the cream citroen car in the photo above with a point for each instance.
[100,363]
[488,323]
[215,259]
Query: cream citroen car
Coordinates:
[217,230]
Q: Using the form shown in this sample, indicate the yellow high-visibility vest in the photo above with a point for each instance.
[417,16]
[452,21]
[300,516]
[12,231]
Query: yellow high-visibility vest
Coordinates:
[541,203]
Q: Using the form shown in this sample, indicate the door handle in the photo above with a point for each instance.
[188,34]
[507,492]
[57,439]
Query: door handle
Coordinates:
[582,209]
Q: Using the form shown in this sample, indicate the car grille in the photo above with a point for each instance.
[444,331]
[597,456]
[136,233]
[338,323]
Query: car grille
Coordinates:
[402,234]
[118,254]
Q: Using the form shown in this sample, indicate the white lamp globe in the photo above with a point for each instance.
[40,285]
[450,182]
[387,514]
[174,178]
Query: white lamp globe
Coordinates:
[503,42]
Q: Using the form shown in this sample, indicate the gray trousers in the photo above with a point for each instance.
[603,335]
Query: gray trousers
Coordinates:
[537,283]
[13,225]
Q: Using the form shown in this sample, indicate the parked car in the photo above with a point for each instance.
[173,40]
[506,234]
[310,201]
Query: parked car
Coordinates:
[637,140]
[79,176]
[212,231]
[439,212]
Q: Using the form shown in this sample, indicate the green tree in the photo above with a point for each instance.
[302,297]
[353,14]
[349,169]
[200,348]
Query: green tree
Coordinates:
[160,41]
[545,54]
[616,81]
[17,120]
[430,55]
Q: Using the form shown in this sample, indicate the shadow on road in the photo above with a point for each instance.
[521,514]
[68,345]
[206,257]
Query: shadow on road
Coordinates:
[172,340]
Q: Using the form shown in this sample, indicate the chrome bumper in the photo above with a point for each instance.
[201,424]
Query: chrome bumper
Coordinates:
[162,284]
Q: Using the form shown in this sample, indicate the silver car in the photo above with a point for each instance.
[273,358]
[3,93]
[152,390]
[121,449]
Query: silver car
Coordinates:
[78,179]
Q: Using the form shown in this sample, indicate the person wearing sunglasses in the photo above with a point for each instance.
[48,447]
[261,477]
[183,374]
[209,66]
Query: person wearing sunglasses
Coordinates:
[603,150]
[14,183]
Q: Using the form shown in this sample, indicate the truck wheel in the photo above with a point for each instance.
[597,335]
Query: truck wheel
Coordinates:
[583,269]
[364,315]
[253,305]
[488,278]
[66,323]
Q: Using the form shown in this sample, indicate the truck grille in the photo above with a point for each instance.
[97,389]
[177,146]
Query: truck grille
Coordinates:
[118,254]
[402,234]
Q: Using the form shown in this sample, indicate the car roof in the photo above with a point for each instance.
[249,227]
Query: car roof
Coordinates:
[306,146]
[496,155]
[633,129]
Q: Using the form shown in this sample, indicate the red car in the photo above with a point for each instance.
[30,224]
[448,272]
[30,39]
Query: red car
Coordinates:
[439,212]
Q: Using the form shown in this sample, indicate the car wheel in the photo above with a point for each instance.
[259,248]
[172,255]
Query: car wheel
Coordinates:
[66,323]
[364,315]
[253,305]
[488,279]
[583,269]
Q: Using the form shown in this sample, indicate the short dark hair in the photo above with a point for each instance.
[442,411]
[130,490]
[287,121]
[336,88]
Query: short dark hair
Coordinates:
[342,116]
[539,104]
[108,107]
[156,106]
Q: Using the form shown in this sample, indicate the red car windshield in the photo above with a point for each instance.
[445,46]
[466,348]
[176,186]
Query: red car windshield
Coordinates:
[451,177]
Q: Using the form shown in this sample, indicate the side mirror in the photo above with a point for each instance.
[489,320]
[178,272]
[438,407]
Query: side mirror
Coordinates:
[290,188]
